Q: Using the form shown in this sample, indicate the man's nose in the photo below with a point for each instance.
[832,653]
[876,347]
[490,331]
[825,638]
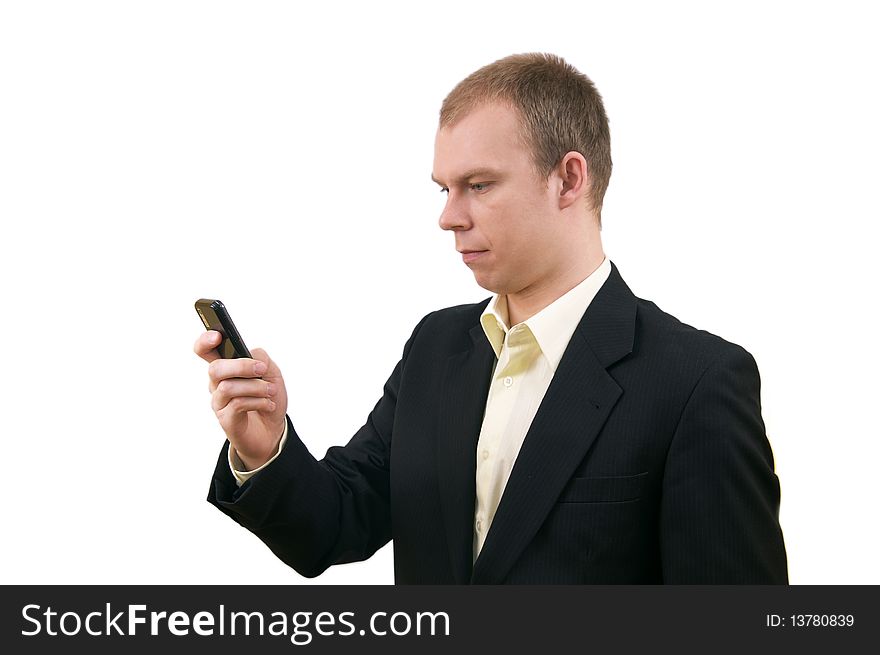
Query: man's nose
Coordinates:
[454,215]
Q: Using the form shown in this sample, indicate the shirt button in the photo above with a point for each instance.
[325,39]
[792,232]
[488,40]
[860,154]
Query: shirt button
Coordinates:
[479,526]
[485,454]
[508,381]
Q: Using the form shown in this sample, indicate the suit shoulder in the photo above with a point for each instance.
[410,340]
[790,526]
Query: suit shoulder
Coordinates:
[666,334]
[459,316]
[449,327]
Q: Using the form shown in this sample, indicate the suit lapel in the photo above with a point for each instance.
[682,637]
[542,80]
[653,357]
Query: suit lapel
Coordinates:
[465,388]
[570,417]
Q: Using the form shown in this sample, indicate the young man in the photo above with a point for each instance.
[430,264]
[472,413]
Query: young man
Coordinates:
[562,431]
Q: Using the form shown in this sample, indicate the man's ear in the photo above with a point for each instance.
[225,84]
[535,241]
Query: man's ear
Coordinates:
[574,177]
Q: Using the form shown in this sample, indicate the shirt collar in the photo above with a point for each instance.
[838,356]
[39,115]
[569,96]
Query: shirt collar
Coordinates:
[553,326]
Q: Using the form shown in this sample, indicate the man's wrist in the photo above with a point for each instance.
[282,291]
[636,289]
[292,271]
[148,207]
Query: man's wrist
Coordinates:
[241,469]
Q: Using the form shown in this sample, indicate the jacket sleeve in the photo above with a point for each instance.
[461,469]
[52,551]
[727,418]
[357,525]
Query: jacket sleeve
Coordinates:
[719,516]
[313,514]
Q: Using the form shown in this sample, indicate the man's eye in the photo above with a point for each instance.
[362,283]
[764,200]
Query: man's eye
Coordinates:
[444,189]
[480,186]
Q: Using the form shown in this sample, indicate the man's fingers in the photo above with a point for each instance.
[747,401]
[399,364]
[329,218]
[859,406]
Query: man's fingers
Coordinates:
[230,389]
[205,346]
[272,370]
[243,404]
[222,369]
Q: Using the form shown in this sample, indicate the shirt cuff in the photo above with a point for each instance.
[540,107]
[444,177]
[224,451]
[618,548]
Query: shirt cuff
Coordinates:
[236,466]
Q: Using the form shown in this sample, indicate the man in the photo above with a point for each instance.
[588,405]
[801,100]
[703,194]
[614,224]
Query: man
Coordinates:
[562,431]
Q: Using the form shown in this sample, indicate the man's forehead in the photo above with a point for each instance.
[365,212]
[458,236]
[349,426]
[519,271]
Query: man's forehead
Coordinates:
[484,118]
[485,141]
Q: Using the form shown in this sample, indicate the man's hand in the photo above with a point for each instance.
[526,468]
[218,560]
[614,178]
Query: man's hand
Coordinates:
[251,410]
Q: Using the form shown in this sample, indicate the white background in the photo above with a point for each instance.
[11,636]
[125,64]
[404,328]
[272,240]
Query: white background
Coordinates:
[278,156]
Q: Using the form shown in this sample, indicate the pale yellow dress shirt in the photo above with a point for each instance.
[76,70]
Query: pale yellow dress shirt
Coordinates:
[527,357]
[528,354]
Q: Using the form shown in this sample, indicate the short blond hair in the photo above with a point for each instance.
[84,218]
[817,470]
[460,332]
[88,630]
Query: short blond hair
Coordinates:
[560,109]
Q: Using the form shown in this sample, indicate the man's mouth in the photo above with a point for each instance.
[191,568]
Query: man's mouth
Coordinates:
[467,256]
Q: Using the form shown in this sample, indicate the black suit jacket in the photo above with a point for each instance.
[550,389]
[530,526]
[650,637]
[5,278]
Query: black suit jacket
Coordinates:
[647,462]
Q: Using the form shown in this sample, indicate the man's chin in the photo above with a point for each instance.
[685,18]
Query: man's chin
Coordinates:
[490,284]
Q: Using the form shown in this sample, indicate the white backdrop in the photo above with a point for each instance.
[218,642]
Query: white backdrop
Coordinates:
[277,156]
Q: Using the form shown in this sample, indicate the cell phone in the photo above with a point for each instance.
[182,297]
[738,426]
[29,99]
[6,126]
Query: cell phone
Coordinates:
[215,317]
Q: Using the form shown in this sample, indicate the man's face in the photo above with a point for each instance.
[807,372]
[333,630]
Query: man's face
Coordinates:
[496,203]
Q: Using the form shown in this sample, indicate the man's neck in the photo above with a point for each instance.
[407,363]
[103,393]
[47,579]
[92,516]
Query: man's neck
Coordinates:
[524,304]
